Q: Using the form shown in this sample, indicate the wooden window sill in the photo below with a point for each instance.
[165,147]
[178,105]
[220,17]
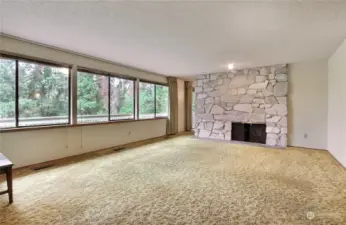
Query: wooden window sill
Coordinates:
[33,128]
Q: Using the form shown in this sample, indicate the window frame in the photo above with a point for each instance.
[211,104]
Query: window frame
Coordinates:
[17,60]
[73,70]
[155,112]
[109,76]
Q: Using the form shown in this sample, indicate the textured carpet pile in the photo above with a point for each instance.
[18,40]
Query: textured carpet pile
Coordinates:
[183,181]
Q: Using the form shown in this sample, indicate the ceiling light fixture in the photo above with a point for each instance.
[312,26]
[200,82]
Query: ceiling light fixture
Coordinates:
[230,66]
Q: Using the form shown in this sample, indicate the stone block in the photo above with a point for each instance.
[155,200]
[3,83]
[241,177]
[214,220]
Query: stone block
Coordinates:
[260,79]
[198,89]
[283,140]
[246,99]
[219,136]
[208,125]
[253,72]
[281,77]
[213,76]
[264,71]
[217,110]
[209,89]
[258,100]
[199,83]
[282,100]
[230,98]
[199,110]
[283,122]
[257,118]
[207,108]
[259,85]
[228,126]
[251,91]
[281,109]
[241,91]
[209,100]
[241,81]
[274,130]
[217,100]
[283,130]
[258,111]
[271,76]
[270,100]
[205,117]
[218,125]
[243,107]
[255,105]
[201,95]
[273,119]
[228,136]
[204,133]
[280,89]
[272,82]
[268,91]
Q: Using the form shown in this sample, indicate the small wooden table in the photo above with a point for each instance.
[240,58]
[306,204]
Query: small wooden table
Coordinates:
[6,167]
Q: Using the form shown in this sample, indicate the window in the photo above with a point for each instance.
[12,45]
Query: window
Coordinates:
[43,94]
[121,99]
[161,101]
[92,102]
[153,100]
[146,100]
[7,93]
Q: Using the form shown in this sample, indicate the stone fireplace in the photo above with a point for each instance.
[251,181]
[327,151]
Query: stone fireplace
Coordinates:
[252,100]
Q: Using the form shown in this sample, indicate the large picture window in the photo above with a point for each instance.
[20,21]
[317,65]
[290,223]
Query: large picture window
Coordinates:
[39,93]
[33,93]
[43,94]
[7,93]
[153,100]
[92,98]
[121,99]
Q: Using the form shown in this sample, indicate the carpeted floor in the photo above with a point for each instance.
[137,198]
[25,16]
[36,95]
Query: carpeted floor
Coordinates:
[183,181]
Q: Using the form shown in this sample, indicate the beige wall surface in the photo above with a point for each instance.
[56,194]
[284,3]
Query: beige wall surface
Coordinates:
[181,105]
[337,104]
[29,49]
[307,104]
[29,147]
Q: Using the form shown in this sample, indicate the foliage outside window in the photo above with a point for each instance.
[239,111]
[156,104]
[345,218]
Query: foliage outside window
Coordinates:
[121,98]
[153,100]
[7,93]
[92,98]
[146,100]
[162,102]
[43,94]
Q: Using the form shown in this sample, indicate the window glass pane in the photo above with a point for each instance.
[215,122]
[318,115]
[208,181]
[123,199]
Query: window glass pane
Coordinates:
[161,101]
[92,100]
[43,94]
[7,93]
[146,100]
[122,100]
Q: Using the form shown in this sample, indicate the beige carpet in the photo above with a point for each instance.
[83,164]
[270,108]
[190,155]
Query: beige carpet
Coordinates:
[183,181]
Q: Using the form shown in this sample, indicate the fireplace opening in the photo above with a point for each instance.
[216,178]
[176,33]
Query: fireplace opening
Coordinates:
[249,132]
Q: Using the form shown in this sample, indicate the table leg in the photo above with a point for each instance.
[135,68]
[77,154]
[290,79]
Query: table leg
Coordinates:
[9,184]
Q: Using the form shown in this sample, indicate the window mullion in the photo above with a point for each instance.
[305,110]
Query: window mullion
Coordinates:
[155,100]
[17,93]
[109,98]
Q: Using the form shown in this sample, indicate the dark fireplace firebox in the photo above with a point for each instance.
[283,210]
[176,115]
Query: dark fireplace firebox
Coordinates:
[249,132]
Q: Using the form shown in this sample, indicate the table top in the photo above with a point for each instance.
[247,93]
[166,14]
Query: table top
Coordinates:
[4,162]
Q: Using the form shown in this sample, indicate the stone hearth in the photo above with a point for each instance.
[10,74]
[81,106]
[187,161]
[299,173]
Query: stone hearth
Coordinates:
[257,95]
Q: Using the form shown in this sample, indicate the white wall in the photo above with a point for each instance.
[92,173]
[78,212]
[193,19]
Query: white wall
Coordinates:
[181,105]
[337,104]
[35,146]
[307,104]
[29,147]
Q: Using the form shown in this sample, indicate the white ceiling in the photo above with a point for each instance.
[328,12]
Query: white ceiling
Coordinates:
[183,38]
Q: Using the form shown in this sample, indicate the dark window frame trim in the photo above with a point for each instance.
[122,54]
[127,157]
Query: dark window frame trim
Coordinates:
[155,84]
[17,60]
[109,76]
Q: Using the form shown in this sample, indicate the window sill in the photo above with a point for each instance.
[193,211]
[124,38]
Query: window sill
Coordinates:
[8,130]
